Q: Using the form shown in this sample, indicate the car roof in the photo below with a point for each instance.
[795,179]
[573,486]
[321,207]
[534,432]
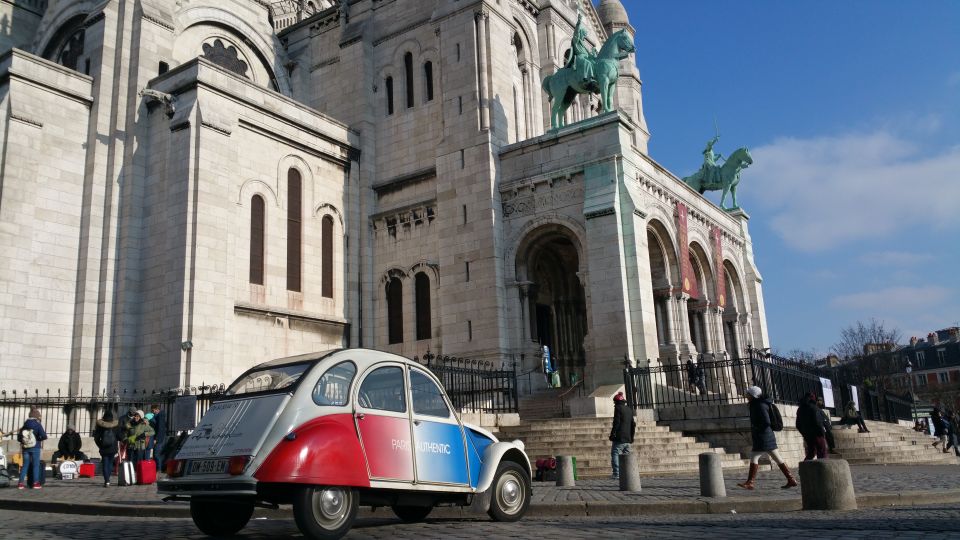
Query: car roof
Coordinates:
[358,355]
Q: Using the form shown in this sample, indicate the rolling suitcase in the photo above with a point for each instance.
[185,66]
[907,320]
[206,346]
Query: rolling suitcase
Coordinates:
[126,474]
[146,471]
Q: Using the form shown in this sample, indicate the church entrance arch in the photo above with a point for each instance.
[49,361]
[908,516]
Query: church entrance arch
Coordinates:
[548,264]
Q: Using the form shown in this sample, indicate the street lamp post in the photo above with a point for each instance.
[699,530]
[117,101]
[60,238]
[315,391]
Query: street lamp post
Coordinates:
[913,399]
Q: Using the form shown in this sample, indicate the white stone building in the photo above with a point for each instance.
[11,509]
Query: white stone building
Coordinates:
[191,187]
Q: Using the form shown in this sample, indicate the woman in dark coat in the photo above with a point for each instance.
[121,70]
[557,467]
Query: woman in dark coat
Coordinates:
[107,435]
[764,441]
[810,426]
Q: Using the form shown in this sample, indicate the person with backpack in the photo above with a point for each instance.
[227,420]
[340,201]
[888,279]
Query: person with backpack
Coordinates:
[765,419]
[31,437]
[106,437]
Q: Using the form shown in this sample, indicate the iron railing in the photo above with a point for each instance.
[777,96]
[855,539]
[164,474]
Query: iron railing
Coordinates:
[57,411]
[716,382]
[475,385]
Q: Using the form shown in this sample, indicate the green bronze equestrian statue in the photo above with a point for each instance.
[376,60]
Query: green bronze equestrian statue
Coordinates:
[586,72]
[712,177]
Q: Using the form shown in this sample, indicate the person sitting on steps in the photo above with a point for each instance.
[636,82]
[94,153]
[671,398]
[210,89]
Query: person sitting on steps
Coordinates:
[852,416]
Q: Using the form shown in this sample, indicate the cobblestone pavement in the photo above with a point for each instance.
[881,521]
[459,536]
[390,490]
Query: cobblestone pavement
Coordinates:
[866,479]
[929,522]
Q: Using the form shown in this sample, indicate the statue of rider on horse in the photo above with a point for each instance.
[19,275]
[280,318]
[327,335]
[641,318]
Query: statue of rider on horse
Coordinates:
[586,71]
[715,176]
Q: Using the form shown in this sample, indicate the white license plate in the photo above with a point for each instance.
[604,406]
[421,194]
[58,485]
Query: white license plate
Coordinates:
[208,466]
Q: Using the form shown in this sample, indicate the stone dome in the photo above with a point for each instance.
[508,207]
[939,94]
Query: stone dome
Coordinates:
[612,13]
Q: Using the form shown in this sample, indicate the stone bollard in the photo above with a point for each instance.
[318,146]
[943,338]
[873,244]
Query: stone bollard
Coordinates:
[711,476]
[565,471]
[826,484]
[629,472]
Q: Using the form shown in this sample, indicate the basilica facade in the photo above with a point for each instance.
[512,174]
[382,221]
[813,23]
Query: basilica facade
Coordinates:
[192,187]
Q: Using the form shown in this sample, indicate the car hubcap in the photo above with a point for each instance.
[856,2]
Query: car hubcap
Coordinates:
[331,505]
[511,494]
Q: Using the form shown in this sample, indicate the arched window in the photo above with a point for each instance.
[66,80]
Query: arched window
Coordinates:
[389,84]
[408,76]
[294,229]
[422,284]
[257,216]
[326,257]
[428,79]
[394,311]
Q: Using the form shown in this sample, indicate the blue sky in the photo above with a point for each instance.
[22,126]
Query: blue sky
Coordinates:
[851,110]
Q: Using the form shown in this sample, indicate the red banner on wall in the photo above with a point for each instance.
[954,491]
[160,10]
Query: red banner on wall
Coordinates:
[720,272]
[686,269]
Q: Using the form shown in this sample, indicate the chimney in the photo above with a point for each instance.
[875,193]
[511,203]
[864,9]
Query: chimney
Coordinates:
[932,338]
[913,341]
[954,333]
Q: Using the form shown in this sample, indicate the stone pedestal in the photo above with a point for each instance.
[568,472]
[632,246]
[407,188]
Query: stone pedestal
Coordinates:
[826,484]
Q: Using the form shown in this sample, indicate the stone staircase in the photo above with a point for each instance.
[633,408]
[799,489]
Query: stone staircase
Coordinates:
[888,444]
[549,403]
[660,450]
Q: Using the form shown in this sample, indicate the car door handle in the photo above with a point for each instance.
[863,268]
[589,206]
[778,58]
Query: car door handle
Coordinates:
[360,416]
[416,422]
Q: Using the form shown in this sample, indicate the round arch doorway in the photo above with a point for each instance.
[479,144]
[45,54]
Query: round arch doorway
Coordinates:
[556,313]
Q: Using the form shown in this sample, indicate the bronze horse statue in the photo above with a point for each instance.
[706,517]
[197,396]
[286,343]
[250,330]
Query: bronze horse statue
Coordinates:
[725,177]
[564,85]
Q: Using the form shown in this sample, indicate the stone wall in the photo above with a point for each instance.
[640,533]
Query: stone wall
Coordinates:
[44,109]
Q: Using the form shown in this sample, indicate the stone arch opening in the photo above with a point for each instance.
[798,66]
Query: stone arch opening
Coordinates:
[697,305]
[664,275]
[554,301]
[734,312]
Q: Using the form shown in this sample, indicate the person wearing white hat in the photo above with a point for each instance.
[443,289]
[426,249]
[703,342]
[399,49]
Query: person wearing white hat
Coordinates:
[136,440]
[764,439]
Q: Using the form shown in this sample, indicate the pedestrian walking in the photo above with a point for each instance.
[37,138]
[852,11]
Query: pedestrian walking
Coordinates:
[106,435]
[31,437]
[701,377]
[939,429]
[691,376]
[827,427]
[621,434]
[952,437]
[763,437]
[810,426]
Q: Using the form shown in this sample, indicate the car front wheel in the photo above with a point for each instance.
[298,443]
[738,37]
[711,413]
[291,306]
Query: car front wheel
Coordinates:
[324,512]
[511,492]
[220,517]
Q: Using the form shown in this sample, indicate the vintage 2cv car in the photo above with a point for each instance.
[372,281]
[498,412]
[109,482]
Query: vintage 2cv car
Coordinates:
[329,432]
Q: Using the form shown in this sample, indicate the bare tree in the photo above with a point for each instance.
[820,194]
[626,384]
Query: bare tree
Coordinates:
[856,339]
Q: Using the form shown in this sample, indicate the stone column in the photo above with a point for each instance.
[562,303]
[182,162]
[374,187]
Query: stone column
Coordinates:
[482,22]
[527,102]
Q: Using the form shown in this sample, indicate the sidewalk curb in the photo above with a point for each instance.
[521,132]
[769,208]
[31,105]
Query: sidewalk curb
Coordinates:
[698,505]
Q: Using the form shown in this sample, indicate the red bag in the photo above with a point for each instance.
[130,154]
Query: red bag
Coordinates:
[146,471]
[88,470]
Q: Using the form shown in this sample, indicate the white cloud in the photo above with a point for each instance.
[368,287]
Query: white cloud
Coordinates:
[832,191]
[894,300]
[954,79]
[895,258]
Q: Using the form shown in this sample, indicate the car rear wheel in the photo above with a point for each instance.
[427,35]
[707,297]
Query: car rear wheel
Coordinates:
[220,517]
[324,512]
[412,514]
[511,492]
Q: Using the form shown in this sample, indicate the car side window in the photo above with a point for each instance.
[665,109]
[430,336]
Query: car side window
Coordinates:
[427,396]
[382,389]
[333,388]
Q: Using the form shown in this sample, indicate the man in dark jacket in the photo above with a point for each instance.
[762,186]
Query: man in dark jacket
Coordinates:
[159,425]
[939,429]
[69,446]
[764,440]
[621,435]
[810,426]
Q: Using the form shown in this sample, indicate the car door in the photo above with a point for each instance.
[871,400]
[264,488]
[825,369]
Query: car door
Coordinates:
[383,423]
[439,445]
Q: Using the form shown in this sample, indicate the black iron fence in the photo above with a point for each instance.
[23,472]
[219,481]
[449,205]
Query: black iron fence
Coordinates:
[716,382]
[475,385]
[57,411]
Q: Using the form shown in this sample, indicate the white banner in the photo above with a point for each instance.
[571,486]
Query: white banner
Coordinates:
[827,386]
[855,396]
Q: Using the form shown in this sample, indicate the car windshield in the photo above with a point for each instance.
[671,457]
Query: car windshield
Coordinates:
[268,379]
